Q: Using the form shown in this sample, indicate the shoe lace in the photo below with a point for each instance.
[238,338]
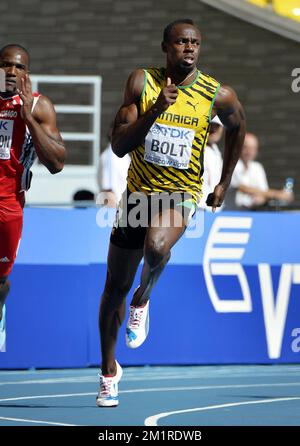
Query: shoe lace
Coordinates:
[135,317]
[105,386]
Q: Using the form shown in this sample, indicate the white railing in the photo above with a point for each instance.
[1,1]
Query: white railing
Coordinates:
[93,109]
[62,187]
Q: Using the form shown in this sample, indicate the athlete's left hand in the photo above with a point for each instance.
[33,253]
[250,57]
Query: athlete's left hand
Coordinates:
[216,198]
[27,98]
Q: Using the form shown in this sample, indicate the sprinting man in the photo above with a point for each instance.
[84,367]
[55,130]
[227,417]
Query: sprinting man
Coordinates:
[164,124]
[27,129]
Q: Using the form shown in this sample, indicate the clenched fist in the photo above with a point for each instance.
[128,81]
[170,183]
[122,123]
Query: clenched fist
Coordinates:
[167,97]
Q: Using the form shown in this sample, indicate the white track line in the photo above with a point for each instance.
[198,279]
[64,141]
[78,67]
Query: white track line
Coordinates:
[131,377]
[94,378]
[153,389]
[152,420]
[23,420]
[198,371]
[80,379]
[37,397]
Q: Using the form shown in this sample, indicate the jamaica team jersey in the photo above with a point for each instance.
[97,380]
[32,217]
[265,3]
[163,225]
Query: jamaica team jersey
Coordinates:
[171,158]
[16,151]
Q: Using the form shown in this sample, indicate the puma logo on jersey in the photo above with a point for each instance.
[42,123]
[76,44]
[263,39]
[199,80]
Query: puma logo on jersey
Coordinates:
[192,105]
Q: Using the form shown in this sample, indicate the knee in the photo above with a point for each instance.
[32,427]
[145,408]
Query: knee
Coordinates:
[115,286]
[155,250]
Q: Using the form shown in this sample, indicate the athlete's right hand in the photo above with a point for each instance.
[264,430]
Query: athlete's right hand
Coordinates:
[27,98]
[216,198]
[167,97]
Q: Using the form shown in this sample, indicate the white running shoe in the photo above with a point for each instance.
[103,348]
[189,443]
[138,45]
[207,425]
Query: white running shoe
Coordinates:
[108,392]
[3,331]
[137,326]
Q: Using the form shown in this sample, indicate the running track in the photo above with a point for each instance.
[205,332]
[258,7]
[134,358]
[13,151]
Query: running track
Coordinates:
[155,396]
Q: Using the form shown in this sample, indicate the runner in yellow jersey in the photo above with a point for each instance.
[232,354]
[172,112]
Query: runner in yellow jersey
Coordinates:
[163,123]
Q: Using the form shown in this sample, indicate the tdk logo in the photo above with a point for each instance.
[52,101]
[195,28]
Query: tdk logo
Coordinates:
[225,248]
[171,132]
[3,125]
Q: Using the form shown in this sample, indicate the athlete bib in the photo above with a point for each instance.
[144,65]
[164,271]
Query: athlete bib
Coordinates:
[169,146]
[6,132]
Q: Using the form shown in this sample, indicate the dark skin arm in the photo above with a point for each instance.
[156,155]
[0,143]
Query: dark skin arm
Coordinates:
[41,123]
[231,114]
[130,129]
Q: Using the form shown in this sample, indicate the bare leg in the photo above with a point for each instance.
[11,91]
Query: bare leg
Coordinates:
[4,290]
[121,269]
[158,243]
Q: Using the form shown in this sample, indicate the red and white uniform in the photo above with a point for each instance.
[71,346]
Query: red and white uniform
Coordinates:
[17,155]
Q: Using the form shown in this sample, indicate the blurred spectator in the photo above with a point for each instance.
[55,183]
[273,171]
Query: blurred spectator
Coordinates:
[249,179]
[83,198]
[112,174]
[213,163]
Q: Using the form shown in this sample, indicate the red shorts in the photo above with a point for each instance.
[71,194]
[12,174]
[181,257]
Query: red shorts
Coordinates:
[11,224]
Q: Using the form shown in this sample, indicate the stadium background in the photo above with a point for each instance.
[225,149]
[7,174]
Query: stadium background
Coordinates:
[111,38]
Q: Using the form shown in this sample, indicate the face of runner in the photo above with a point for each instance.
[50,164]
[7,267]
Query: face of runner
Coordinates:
[14,61]
[183,47]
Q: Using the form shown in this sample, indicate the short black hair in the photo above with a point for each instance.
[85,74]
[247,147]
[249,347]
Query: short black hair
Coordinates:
[168,28]
[15,45]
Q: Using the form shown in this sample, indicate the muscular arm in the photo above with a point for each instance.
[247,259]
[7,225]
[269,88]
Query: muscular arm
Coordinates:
[231,114]
[130,129]
[41,123]
[47,140]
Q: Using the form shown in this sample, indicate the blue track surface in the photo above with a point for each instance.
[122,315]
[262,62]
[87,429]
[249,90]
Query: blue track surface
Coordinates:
[163,396]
